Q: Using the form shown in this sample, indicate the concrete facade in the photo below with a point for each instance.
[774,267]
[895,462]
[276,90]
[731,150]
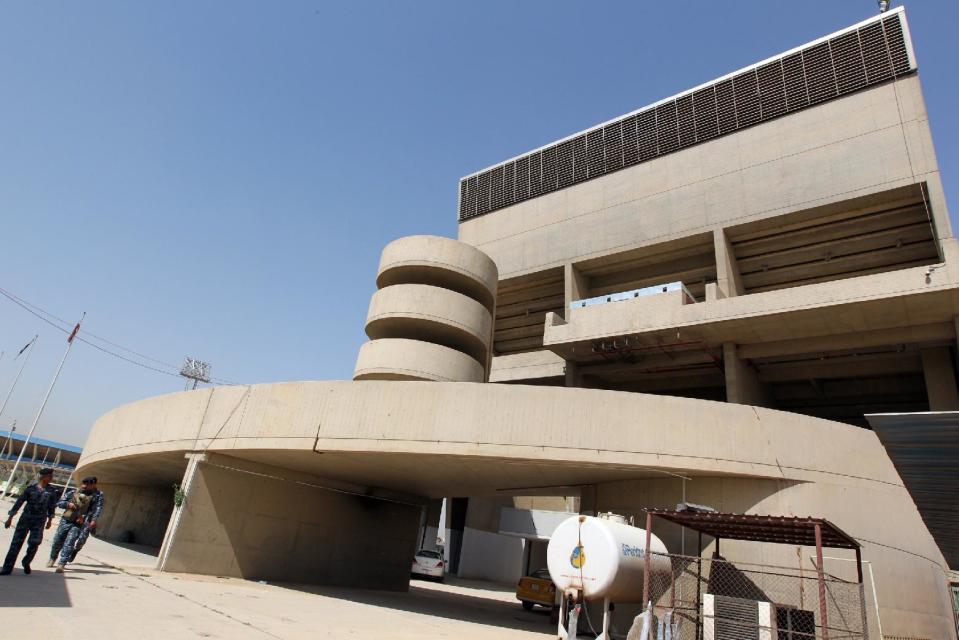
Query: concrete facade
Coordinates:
[766,289]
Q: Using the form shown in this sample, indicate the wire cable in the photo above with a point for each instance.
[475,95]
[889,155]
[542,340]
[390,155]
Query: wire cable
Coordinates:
[56,322]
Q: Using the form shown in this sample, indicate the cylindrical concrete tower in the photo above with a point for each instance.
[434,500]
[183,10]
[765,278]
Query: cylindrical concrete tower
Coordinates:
[432,317]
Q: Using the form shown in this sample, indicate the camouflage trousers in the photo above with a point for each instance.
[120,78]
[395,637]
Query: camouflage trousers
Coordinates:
[29,529]
[65,541]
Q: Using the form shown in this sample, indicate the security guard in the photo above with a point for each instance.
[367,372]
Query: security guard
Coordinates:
[96,508]
[40,500]
[82,508]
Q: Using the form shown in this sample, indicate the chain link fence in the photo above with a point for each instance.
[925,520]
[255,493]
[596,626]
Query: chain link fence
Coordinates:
[714,599]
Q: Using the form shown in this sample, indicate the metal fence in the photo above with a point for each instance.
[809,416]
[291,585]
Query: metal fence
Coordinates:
[714,599]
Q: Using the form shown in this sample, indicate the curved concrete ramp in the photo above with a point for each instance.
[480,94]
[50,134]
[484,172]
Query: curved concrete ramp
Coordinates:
[277,469]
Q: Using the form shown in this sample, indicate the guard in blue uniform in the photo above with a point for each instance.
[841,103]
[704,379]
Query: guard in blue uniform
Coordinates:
[81,507]
[40,500]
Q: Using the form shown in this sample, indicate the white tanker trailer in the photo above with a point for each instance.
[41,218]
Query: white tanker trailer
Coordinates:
[600,559]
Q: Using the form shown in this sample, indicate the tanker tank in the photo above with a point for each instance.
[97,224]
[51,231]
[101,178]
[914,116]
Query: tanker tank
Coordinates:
[603,558]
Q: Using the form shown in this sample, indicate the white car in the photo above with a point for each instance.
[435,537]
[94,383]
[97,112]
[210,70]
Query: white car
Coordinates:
[429,564]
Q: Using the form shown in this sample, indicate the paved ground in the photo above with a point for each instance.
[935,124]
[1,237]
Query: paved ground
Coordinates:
[113,592]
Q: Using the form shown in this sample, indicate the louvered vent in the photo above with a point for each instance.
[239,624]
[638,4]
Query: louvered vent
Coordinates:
[858,57]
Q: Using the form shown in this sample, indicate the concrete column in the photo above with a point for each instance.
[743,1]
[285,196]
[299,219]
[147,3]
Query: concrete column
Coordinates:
[589,497]
[455,523]
[936,200]
[574,378]
[186,484]
[742,381]
[429,529]
[937,368]
[576,286]
[728,281]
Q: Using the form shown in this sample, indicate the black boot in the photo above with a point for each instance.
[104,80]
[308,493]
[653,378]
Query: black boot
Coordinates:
[5,571]
[26,568]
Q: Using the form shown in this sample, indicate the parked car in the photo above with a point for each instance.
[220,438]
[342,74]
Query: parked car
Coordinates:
[429,564]
[536,588]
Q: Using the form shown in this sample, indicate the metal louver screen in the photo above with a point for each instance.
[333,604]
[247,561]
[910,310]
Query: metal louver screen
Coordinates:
[859,57]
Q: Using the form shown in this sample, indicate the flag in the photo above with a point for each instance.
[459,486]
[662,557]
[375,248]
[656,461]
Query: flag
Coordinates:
[73,334]
[25,347]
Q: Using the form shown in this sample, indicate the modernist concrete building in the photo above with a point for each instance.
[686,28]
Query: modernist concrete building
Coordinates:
[698,301]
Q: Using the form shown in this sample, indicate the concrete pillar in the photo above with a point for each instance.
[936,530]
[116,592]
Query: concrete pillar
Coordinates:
[186,484]
[576,286]
[429,529]
[936,201]
[937,368]
[252,521]
[742,381]
[455,523]
[589,497]
[728,281]
[574,378]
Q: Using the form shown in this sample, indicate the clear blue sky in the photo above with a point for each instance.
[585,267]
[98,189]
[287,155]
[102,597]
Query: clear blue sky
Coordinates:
[217,179]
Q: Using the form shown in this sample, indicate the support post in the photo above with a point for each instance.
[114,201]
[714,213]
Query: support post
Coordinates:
[859,564]
[823,615]
[648,564]
[728,279]
[195,458]
[699,584]
[605,634]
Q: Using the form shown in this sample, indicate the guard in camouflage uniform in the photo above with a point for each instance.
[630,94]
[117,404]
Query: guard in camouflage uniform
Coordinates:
[40,500]
[96,508]
[82,507]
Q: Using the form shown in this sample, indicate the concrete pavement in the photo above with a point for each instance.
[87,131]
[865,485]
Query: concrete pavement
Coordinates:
[113,591]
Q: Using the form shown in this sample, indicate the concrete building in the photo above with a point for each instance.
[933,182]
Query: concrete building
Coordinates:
[698,301]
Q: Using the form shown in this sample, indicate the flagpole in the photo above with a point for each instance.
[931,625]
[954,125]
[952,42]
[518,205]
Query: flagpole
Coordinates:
[43,404]
[10,432]
[13,386]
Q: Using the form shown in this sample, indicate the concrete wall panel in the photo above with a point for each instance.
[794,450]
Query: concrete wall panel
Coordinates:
[257,525]
[137,511]
[401,359]
[440,262]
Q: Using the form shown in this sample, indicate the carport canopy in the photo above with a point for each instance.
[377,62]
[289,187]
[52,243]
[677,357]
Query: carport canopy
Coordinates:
[760,528]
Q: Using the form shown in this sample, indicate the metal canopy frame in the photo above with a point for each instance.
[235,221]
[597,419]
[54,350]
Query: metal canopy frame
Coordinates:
[812,532]
[758,528]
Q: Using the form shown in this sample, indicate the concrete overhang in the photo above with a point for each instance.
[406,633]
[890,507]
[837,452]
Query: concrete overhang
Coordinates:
[904,298]
[441,439]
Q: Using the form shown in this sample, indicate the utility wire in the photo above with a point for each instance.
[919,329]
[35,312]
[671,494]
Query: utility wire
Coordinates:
[46,316]
[34,307]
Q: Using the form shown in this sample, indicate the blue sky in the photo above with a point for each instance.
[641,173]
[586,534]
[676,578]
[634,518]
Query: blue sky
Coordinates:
[217,179]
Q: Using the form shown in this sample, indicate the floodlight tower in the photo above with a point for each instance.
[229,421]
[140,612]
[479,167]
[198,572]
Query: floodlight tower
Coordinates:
[195,370]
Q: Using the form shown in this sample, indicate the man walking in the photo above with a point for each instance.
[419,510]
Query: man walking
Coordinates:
[82,508]
[96,508]
[40,501]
